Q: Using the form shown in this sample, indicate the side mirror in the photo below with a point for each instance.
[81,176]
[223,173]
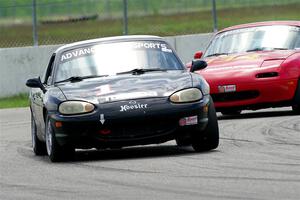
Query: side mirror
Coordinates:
[35,83]
[188,66]
[198,65]
[198,55]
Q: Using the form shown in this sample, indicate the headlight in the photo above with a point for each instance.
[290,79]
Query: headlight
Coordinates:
[75,107]
[272,63]
[187,95]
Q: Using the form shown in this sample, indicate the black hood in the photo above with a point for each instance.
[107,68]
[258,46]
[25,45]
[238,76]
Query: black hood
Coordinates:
[127,86]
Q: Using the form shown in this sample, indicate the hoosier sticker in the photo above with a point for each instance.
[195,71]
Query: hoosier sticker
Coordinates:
[132,105]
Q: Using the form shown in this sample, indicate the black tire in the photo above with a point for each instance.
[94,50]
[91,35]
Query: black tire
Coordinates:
[56,152]
[38,147]
[208,139]
[296,106]
[296,109]
[231,112]
[181,142]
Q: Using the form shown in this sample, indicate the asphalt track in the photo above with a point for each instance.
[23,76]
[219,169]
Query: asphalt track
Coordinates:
[258,158]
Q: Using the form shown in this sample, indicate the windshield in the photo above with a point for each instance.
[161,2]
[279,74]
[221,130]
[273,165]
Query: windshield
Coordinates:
[255,39]
[115,58]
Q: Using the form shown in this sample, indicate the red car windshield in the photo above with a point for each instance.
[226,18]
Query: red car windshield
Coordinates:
[262,38]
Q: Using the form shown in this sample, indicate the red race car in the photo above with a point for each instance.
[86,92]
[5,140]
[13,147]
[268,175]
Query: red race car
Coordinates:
[254,66]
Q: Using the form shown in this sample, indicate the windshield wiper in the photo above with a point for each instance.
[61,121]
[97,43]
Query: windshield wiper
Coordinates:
[266,49]
[279,48]
[138,71]
[257,49]
[79,78]
[217,54]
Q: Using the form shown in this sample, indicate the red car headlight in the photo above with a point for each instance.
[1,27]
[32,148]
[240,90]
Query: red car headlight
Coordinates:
[270,68]
[272,63]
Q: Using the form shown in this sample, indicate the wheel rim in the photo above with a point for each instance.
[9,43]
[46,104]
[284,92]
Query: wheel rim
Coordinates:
[49,141]
[33,132]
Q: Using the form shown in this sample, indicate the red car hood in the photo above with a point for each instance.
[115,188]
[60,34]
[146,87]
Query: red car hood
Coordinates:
[244,60]
[227,69]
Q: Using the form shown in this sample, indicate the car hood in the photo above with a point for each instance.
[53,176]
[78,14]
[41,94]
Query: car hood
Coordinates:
[127,86]
[244,60]
[228,69]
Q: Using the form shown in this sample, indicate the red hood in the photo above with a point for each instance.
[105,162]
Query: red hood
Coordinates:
[242,67]
[244,60]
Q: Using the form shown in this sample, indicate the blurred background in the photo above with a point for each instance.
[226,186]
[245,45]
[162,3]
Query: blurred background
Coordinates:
[65,21]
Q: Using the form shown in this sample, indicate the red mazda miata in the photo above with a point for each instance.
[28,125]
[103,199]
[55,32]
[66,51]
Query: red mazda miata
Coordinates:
[254,66]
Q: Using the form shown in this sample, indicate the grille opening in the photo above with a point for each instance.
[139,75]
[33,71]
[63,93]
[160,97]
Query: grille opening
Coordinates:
[267,75]
[235,96]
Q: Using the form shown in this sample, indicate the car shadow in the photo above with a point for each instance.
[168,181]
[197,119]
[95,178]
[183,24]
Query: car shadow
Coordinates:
[139,152]
[258,114]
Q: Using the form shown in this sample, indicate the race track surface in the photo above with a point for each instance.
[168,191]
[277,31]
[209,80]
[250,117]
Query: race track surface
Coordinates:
[258,158]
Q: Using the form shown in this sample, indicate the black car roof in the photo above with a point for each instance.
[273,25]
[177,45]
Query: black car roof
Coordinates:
[108,39]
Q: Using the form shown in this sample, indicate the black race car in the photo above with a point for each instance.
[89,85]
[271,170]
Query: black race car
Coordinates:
[116,92]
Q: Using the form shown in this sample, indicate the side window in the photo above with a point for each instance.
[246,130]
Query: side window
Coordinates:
[47,76]
[297,43]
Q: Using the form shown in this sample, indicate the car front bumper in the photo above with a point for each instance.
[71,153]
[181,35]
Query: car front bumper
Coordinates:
[256,94]
[127,123]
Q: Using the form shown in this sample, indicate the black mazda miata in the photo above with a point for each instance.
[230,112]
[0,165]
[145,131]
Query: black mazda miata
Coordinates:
[116,92]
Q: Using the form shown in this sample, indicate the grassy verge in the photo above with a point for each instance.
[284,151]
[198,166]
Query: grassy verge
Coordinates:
[163,25]
[20,100]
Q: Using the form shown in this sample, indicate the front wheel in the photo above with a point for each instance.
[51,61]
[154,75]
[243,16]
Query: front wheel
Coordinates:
[296,106]
[38,147]
[181,142]
[56,152]
[296,109]
[208,139]
[231,112]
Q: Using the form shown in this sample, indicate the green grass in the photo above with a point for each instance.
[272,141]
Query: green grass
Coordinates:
[163,25]
[54,8]
[20,100]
